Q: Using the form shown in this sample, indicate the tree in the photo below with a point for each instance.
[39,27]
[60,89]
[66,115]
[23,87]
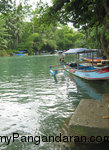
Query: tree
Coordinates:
[5,6]
[15,25]
[30,42]
[35,34]
[3,34]
[85,13]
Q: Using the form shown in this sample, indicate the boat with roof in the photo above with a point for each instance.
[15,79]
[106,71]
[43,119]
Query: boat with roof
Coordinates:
[89,72]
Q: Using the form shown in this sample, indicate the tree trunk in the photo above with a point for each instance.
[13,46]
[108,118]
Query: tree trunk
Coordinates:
[104,46]
[97,38]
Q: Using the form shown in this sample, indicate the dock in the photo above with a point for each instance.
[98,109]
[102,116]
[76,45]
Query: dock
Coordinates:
[91,118]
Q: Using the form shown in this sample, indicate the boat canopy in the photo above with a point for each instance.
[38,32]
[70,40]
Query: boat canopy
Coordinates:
[79,50]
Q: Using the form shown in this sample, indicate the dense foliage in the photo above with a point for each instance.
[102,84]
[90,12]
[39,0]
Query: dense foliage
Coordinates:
[90,15]
[45,28]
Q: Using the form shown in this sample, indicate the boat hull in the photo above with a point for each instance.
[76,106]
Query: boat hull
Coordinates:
[95,74]
[15,54]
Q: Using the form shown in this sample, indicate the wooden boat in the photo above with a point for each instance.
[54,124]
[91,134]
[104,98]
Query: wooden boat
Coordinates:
[96,60]
[88,56]
[86,72]
[59,52]
[20,53]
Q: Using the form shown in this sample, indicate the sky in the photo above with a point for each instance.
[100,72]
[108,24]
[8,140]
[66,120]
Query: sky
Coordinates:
[33,2]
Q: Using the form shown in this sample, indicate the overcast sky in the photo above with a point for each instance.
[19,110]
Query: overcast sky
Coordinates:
[33,2]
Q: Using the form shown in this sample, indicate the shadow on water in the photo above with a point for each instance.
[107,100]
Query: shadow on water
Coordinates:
[55,78]
[87,88]
[93,89]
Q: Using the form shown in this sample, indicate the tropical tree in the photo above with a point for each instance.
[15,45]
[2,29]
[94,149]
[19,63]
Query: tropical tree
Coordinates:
[14,25]
[5,6]
[84,13]
[34,34]
[3,34]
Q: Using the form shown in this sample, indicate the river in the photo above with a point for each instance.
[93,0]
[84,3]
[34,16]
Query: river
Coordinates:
[33,103]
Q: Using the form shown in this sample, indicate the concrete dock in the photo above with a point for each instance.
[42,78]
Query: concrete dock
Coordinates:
[90,118]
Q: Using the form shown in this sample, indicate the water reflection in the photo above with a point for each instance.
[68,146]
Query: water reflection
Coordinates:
[89,89]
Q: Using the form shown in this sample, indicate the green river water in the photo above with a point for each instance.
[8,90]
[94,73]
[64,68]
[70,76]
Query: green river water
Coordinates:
[33,103]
